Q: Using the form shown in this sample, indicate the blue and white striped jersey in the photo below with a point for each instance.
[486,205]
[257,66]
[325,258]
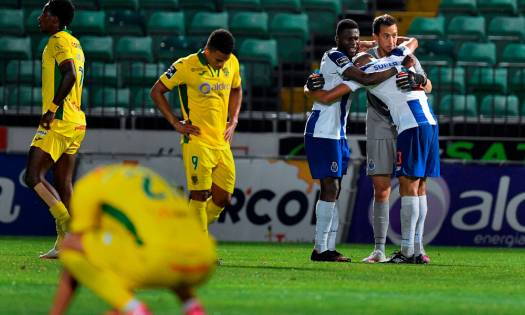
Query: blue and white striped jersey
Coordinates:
[408,109]
[329,120]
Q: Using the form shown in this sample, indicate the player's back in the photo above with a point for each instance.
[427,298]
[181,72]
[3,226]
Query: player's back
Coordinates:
[136,203]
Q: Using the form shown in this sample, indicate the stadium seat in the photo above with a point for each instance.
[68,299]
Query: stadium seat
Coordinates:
[125,23]
[458,105]
[97,48]
[119,4]
[166,23]
[12,22]
[15,48]
[499,106]
[291,33]
[452,8]
[84,101]
[24,71]
[192,7]
[448,79]
[29,5]
[506,30]
[466,28]
[236,6]
[100,74]
[111,98]
[435,53]
[273,7]
[490,9]
[323,15]
[31,22]
[513,55]
[517,83]
[477,54]
[172,48]
[485,81]
[164,5]
[89,23]
[134,48]
[246,25]
[3,97]
[89,5]
[259,58]
[146,73]
[427,28]
[9,4]
[359,102]
[26,96]
[355,5]
[142,100]
[205,22]
[521,6]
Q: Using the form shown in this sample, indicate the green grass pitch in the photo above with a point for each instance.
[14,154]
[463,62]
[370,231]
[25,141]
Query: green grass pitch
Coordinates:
[275,279]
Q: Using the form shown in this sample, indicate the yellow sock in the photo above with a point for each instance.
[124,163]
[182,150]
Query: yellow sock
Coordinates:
[60,213]
[213,211]
[199,207]
[104,284]
[61,236]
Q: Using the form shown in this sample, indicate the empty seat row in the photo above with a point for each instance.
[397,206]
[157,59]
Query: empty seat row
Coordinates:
[487,8]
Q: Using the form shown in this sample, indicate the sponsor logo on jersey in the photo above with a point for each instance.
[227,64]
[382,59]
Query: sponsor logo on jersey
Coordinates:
[171,72]
[206,88]
[42,133]
[39,138]
[80,128]
[341,61]
[203,72]
[371,164]
[76,45]
[196,69]
[194,179]
[334,167]
[385,65]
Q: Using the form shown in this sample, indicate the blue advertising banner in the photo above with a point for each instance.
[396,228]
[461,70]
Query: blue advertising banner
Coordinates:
[469,205]
[21,211]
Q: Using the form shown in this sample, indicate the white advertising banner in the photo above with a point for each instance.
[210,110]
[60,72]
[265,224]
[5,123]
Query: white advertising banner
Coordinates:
[274,200]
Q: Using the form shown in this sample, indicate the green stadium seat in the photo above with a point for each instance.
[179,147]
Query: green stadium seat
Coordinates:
[11,22]
[517,83]
[32,4]
[164,5]
[204,23]
[259,58]
[191,7]
[89,5]
[485,81]
[477,54]
[273,7]
[506,30]
[146,73]
[466,28]
[100,74]
[3,97]
[26,96]
[15,48]
[435,54]
[166,23]
[119,4]
[323,15]
[427,28]
[89,23]
[175,47]
[111,98]
[9,4]
[359,102]
[355,5]
[291,33]
[236,6]
[490,9]
[84,101]
[448,79]
[125,23]
[521,6]
[142,100]
[513,55]
[431,100]
[499,106]
[246,25]
[97,48]
[24,71]
[458,105]
[31,22]
[452,8]
[134,48]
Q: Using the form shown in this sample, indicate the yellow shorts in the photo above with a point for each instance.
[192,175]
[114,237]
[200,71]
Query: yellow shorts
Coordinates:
[205,166]
[142,266]
[62,138]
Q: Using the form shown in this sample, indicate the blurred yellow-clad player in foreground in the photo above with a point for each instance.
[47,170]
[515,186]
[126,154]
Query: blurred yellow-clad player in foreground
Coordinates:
[131,229]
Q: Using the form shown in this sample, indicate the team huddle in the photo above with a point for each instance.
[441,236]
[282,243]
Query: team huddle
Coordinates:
[126,227]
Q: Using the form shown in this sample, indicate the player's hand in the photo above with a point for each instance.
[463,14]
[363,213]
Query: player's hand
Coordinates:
[47,119]
[409,61]
[315,81]
[186,129]
[410,80]
[230,129]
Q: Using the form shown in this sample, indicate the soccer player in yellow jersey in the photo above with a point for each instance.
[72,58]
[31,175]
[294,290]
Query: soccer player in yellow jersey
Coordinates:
[63,124]
[209,83]
[132,229]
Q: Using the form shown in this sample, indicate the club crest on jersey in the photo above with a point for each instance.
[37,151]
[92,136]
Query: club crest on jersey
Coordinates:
[226,72]
[194,179]
[334,167]
[341,61]
[371,164]
[171,72]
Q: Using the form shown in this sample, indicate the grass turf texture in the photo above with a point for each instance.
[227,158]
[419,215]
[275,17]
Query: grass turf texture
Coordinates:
[271,278]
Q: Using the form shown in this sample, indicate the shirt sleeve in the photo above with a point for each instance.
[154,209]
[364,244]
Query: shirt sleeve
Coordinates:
[85,204]
[174,76]
[353,85]
[236,82]
[60,49]
[340,61]
[418,68]
[401,50]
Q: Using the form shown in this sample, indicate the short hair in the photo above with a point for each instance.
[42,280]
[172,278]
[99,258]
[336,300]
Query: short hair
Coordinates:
[383,20]
[346,24]
[221,40]
[63,9]
[361,56]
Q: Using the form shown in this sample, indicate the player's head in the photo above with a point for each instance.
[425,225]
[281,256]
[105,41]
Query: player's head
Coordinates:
[362,59]
[219,48]
[347,37]
[385,32]
[56,14]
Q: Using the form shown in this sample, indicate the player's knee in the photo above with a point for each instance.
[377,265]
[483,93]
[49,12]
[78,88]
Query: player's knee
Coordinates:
[224,200]
[73,242]
[330,192]
[31,179]
[381,195]
[201,195]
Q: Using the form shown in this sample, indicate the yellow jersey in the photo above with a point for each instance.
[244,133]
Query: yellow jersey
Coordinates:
[61,48]
[135,204]
[205,95]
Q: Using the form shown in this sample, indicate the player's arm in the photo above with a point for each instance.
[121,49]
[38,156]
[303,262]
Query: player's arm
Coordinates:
[66,289]
[235,108]
[326,97]
[357,75]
